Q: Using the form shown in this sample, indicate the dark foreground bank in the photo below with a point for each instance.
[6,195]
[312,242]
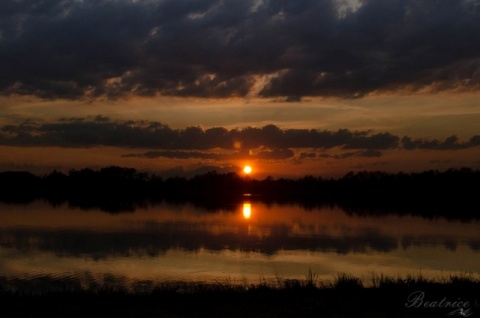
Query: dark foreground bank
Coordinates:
[346,297]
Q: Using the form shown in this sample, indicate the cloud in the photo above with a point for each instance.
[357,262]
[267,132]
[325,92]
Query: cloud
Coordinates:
[305,155]
[178,155]
[275,154]
[377,141]
[362,153]
[101,131]
[449,143]
[217,143]
[222,48]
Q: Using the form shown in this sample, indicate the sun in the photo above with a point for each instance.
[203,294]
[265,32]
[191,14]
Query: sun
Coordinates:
[247,169]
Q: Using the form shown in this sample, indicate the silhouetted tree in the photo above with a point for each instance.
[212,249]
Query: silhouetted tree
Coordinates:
[451,193]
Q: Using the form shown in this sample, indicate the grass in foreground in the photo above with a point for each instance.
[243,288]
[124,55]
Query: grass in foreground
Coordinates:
[344,296]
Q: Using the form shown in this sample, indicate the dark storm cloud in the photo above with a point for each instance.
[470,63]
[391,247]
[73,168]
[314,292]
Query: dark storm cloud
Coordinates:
[216,48]
[101,131]
[270,141]
[449,143]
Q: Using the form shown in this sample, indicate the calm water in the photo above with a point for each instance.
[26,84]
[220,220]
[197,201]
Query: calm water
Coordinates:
[250,242]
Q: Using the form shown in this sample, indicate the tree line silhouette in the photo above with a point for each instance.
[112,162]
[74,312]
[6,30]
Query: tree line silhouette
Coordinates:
[451,193]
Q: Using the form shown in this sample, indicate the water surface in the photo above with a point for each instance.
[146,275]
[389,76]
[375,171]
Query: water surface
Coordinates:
[250,241]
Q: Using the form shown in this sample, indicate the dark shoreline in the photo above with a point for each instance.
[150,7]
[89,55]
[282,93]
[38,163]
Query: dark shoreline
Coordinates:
[450,194]
[345,297]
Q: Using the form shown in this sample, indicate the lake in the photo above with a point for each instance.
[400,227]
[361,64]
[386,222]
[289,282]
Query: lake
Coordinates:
[249,241]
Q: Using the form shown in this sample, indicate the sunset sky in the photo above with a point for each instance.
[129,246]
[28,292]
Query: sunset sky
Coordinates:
[179,87]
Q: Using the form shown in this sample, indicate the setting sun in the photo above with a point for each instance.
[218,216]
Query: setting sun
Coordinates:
[247,169]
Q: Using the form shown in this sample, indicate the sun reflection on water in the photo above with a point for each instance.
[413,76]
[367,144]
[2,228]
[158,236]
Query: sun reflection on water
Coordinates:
[247,210]
[255,240]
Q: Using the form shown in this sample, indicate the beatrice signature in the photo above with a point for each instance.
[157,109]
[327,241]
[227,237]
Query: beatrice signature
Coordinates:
[459,307]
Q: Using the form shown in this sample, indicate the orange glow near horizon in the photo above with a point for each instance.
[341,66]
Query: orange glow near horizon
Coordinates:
[247,169]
